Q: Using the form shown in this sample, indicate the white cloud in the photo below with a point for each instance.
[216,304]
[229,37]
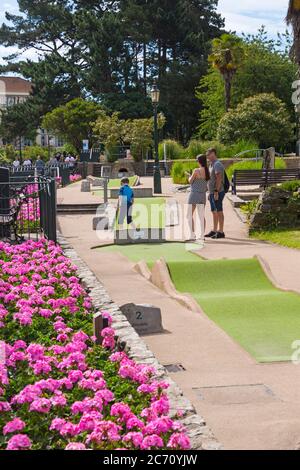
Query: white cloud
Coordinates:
[248,15]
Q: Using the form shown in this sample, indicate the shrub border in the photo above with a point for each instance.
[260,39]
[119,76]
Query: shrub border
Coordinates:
[202,438]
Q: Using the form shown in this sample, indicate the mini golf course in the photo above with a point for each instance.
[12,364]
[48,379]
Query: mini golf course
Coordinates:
[235,294]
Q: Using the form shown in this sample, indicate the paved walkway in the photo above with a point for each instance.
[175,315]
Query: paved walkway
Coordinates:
[247,405]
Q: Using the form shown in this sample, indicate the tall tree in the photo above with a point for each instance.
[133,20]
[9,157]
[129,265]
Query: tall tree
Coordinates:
[227,56]
[73,121]
[266,68]
[293,18]
[112,51]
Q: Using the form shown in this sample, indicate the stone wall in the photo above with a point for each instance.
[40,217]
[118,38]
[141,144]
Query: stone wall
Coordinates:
[139,168]
[200,435]
[276,208]
[292,162]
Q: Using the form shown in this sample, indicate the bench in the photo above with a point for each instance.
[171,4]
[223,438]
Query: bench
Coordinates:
[263,178]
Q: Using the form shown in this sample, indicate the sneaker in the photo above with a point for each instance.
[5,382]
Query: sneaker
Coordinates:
[210,234]
[138,234]
[218,236]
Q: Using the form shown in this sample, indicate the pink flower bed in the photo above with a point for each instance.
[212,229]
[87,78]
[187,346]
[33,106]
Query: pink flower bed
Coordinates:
[75,178]
[58,389]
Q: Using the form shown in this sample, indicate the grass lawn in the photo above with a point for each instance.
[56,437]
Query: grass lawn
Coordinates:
[149,212]
[236,295]
[285,237]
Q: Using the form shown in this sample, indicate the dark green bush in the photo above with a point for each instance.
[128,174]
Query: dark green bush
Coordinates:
[174,150]
[179,169]
[292,186]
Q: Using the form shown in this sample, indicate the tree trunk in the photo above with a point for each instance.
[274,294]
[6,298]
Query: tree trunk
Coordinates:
[227,93]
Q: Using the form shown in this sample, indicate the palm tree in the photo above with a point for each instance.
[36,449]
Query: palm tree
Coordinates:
[227,56]
[293,19]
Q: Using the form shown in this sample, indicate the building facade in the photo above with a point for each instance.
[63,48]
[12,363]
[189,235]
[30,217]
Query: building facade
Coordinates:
[16,90]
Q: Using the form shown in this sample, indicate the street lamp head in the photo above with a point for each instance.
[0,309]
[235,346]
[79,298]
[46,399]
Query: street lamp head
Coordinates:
[155,94]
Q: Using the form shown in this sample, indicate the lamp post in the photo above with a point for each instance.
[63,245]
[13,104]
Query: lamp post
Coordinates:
[297,110]
[155,95]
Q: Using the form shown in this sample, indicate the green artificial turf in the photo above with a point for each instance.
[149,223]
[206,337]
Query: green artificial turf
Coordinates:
[175,252]
[235,294]
[149,212]
[238,297]
[115,183]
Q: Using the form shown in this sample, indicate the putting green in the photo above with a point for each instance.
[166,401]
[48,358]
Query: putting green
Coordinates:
[151,253]
[149,212]
[115,183]
[235,294]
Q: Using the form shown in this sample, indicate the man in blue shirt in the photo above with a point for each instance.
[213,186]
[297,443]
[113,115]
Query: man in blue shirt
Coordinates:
[126,201]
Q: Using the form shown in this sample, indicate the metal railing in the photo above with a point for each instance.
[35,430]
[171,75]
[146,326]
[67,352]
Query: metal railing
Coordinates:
[259,154]
[28,209]
[61,171]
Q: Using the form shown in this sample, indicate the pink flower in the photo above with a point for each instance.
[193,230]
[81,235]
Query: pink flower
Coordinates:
[57,424]
[134,422]
[135,437]
[13,426]
[105,430]
[69,429]
[75,446]
[19,442]
[159,426]
[41,405]
[179,441]
[4,406]
[122,411]
[153,441]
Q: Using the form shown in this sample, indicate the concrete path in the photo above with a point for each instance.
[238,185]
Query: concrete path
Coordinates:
[247,405]
[73,195]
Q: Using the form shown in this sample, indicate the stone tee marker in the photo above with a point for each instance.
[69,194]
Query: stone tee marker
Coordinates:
[99,324]
[85,186]
[145,319]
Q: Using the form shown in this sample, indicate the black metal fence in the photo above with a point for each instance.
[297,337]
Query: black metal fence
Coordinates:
[27,207]
[62,172]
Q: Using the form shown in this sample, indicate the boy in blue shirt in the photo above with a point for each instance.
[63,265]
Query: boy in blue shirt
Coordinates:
[125,204]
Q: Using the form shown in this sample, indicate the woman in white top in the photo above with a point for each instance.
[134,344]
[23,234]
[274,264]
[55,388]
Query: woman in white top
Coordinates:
[197,198]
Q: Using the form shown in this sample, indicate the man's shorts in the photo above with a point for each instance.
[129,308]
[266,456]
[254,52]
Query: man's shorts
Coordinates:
[217,206]
[125,213]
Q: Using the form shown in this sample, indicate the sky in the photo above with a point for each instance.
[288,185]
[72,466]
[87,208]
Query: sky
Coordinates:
[248,15]
[241,16]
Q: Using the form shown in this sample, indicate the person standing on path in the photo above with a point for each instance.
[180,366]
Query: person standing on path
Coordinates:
[216,194]
[197,199]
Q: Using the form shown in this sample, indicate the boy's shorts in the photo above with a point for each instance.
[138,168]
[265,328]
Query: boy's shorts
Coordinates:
[217,206]
[125,213]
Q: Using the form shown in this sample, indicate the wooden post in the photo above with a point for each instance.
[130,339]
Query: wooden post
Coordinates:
[99,324]
[105,187]
[269,159]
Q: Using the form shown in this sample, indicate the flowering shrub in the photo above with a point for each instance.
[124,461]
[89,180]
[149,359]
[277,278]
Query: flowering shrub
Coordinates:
[29,214]
[58,389]
[75,178]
